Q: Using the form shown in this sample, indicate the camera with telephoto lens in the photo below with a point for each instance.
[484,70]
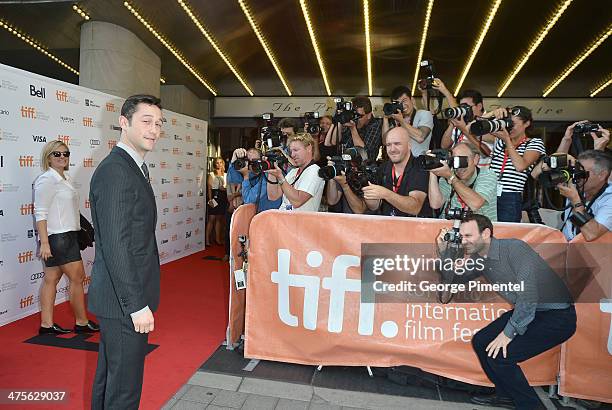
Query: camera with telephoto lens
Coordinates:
[270,134]
[575,173]
[427,82]
[351,157]
[356,168]
[458,215]
[462,111]
[435,157]
[586,128]
[489,125]
[345,112]
[312,119]
[393,107]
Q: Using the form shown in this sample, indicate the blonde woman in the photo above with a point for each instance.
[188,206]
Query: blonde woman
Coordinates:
[56,209]
[217,203]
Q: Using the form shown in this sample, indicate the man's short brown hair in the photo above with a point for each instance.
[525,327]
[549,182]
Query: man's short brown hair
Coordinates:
[361,101]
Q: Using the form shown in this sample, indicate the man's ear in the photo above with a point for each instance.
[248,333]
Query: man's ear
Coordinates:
[123,122]
[486,233]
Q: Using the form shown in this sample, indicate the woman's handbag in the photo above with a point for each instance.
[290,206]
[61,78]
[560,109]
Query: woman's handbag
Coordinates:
[86,234]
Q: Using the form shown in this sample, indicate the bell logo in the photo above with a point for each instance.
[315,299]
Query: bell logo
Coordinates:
[64,138]
[61,96]
[37,93]
[88,162]
[87,204]
[24,257]
[27,209]
[111,144]
[338,284]
[26,161]
[27,301]
[87,122]
[28,112]
[110,107]
[164,195]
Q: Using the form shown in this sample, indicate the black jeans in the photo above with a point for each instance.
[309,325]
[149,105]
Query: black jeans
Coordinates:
[548,329]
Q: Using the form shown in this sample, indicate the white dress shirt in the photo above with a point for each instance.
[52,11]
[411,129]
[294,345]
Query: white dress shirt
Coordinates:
[139,161]
[57,202]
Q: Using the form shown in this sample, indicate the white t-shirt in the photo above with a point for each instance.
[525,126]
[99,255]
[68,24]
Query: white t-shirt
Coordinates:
[422,118]
[57,202]
[309,181]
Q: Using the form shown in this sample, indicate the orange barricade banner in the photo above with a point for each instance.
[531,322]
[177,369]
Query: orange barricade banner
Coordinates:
[586,360]
[241,219]
[305,305]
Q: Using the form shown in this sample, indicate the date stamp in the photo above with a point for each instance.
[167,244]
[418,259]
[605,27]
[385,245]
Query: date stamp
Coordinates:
[8,396]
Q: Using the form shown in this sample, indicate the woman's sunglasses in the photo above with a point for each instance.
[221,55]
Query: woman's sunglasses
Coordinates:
[58,154]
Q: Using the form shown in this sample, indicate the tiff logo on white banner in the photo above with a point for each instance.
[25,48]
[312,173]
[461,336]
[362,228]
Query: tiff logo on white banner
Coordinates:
[37,93]
[338,284]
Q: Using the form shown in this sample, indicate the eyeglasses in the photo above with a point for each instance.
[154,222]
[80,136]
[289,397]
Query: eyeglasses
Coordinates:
[58,154]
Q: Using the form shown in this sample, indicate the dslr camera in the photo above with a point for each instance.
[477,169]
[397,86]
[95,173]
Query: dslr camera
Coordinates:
[345,112]
[561,171]
[462,111]
[312,119]
[586,128]
[484,126]
[427,82]
[270,134]
[458,215]
[435,157]
[393,107]
[356,169]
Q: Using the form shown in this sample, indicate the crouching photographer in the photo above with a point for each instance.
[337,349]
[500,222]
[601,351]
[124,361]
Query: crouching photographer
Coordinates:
[585,185]
[246,168]
[347,175]
[302,188]
[458,182]
[543,314]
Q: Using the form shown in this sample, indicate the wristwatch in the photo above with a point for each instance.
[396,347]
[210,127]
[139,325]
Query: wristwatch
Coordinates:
[281,181]
[452,179]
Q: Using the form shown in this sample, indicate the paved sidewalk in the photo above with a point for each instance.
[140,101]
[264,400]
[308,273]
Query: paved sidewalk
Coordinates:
[207,390]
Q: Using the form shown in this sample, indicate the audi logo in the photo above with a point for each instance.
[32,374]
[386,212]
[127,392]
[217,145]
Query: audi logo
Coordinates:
[38,275]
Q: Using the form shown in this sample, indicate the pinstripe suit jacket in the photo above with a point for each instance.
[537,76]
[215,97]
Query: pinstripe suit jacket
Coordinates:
[125,275]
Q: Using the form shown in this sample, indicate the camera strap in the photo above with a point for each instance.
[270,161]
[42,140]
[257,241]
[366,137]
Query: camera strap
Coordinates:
[453,192]
[299,173]
[503,167]
[587,208]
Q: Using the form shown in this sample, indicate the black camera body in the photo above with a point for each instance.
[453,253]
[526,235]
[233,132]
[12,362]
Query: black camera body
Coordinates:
[556,161]
[586,128]
[312,119]
[345,112]
[356,169]
[271,135]
[488,125]
[427,82]
[458,215]
[271,157]
[435,158]
[576,173]
[240,163]
[462,111]
[393,107]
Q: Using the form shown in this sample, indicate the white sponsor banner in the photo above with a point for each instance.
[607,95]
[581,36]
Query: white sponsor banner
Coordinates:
[35,110]
[544,109]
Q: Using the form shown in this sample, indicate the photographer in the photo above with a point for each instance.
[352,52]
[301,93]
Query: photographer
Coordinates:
[543,314]
[254,186]
[302,188]
[418,123]
[288,127]
[513,157]
[588,206]
[323,151]
[403,191]
[467,188]
[600,142]
[367,132]
[340,195]
[458,130]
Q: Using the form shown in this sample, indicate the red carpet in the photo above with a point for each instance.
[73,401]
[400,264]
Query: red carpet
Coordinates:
[189,326]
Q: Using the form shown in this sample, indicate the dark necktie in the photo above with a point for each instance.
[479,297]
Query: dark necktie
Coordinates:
[145,170]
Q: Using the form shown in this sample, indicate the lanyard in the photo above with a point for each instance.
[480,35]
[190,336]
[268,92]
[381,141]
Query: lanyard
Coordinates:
[396,183]
[501,171]
[461,201]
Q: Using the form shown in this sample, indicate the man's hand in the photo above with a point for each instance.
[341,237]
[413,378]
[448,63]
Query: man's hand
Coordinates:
[398,117]
[144,321]
[504,136]
[276,172]
[569,191]
[600,143]
[350,124]
[500,342]
[373,192]
[460,124]
[238,153]
[341,180]
[443,171]
[569,131]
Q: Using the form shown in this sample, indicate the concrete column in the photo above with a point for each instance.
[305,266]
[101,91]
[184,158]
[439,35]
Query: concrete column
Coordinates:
[180,99]
[113,60]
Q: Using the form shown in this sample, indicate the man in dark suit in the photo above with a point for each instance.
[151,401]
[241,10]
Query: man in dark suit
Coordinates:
[124,290]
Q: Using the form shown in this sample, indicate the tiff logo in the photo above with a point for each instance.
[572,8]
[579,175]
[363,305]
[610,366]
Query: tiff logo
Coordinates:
[26,161]
[27,301]
[64,138]
[27,209]
[61,96]
[87,122]
[28,112]
[111,144]
[88,162]
[87,204]
[110,107]
[24,257]
[87,280]
[338,284]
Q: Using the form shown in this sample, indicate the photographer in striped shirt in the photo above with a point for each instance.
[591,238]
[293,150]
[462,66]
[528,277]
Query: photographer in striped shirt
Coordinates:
[514,155]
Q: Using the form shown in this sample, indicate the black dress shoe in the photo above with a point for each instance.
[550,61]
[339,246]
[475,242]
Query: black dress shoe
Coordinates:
[494,401]
[55,329]
[90,327]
